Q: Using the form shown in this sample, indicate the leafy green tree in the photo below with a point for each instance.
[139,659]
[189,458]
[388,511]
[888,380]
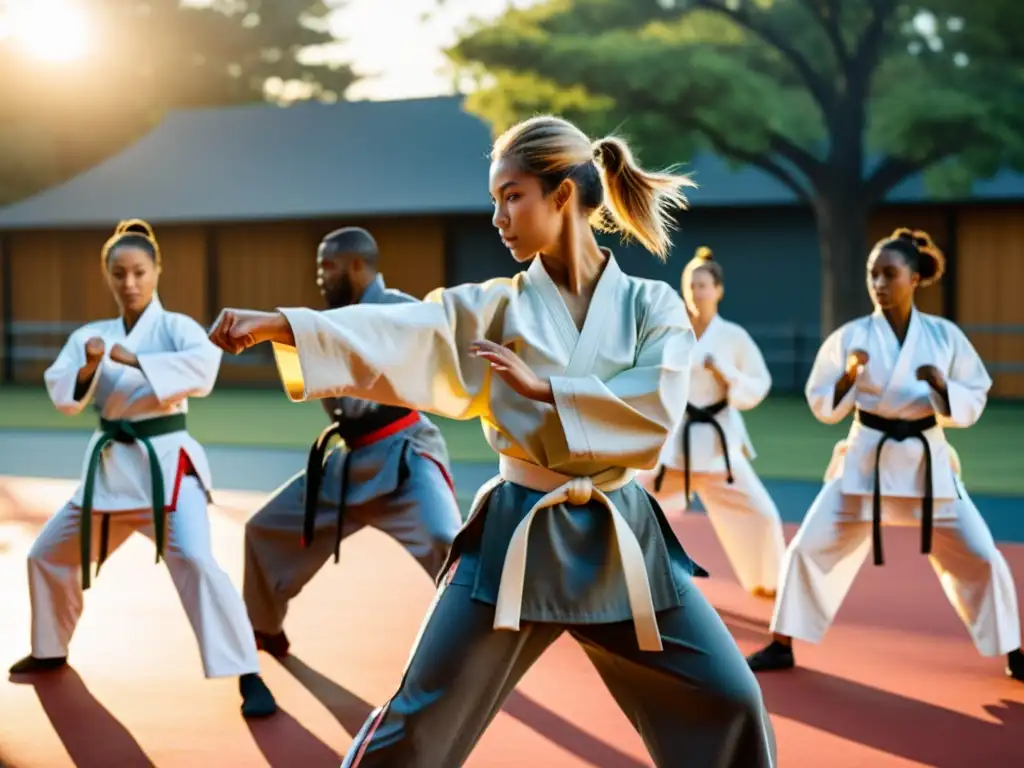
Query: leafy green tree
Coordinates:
[146,57]
[839,100]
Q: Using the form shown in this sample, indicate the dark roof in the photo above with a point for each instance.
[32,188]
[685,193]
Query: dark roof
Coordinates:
[420,156]
[423,156]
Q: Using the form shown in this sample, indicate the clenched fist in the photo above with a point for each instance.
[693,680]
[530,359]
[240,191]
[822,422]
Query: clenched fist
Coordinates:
[932,376]
[235,330]
[94,349]
[121,354]
[856,361]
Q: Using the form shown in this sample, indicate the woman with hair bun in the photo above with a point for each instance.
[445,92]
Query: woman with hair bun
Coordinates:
[905,376]
[143,471]
[709,454]
[578,373]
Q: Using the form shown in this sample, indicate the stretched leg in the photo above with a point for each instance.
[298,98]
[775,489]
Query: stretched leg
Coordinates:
[747,523]
[277,563]
[696,702]
[55,582]
[818,569]
[214,608]
[422,514]
[460,672]
[210,599]
[976,579]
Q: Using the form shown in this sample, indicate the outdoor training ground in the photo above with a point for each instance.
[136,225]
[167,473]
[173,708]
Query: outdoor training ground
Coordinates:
[896,682]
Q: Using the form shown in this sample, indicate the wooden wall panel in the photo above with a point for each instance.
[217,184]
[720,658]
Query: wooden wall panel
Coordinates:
[412,249]
[412,253]
[264,266]
[183,281]
[57,278]
[933,221]
[991,248]
[268,265]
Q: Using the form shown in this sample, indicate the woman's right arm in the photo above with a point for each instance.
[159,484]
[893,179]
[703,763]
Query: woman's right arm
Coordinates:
[414,355]
[71,379]
[830,389]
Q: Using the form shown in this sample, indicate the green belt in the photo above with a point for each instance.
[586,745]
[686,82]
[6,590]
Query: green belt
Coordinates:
[127,432]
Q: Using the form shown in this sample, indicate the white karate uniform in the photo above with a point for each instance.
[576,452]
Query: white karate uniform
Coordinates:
[177,361]
[835,537]
[742,512]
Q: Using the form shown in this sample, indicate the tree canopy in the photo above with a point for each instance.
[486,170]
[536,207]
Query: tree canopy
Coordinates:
[839,100]
[146,57]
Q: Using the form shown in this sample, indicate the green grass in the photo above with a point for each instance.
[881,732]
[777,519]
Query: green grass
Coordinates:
[790,443]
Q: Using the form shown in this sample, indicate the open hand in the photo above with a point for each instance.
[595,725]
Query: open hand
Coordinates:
[94,349]
[235,330]
[120,354]
[856,361]
[932,376]
[512,370]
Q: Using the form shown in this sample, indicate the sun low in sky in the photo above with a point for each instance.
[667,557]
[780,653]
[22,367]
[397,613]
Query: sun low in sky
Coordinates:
[55,31]
[61,33]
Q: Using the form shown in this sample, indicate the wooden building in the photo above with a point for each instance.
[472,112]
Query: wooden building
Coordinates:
[241,196]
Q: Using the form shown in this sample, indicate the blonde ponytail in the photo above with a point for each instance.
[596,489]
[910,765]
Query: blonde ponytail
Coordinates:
[637,202]
[621,196]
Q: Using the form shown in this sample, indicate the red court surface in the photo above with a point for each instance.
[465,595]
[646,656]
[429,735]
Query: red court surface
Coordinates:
[897,683]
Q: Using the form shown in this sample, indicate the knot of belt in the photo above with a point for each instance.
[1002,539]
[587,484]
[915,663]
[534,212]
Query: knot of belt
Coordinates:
[697,415]
[900,430]
[576,491]
[383,423]
[125,432]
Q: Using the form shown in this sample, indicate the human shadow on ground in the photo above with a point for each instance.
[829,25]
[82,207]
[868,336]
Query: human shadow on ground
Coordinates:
[89,732]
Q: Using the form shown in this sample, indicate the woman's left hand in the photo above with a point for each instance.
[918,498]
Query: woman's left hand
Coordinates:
[122,355]
[711,366]
[513,371]
[932,376]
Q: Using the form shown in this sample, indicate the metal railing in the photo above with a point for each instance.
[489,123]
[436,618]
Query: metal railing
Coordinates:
[788,348]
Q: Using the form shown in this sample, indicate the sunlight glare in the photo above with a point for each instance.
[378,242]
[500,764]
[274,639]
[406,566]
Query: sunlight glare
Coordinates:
[51,30]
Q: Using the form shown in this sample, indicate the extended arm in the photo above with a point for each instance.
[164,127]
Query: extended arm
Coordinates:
[413,355]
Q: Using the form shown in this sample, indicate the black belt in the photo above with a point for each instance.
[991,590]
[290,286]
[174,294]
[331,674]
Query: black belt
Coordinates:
[899,430]
[315,477]
[697,415]
[353,430]
[126,432]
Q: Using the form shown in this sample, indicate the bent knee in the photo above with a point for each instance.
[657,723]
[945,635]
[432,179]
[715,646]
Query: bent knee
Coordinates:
[741,695]
[44,552]
[197,561]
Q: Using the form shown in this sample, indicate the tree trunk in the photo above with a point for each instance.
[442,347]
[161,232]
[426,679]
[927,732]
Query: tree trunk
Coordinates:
[842,236]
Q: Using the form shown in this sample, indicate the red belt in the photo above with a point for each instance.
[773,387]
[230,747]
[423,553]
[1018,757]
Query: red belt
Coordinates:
[315,470]
[377,435]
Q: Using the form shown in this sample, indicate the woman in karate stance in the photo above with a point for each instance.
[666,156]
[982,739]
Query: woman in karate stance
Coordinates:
[905,375]
[142,472]
[709,453]
[578,373]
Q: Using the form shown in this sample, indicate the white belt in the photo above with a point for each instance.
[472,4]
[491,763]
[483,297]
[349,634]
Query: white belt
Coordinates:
[561,489]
